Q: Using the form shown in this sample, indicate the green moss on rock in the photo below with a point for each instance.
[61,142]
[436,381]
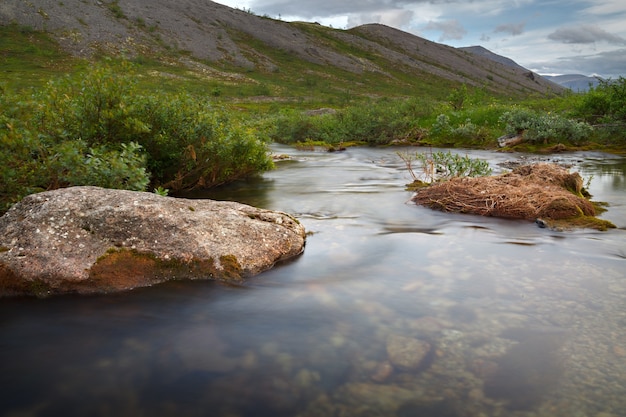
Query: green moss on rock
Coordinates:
[124,269]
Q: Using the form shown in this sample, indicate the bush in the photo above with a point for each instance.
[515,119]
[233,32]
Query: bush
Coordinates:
[545,127]
[441,166]
[375,123]
[32,163]
[606,103]
[98,129]
[443,130]
[605,107]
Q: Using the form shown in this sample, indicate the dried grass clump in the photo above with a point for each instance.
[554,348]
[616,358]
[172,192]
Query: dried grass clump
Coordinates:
[529,192]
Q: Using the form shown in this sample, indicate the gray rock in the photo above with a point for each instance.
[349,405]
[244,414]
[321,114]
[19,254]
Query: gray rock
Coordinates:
[406,352]
[89,240]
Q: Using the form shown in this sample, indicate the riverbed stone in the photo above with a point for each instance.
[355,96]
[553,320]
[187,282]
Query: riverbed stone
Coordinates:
[93,240]
[406,352]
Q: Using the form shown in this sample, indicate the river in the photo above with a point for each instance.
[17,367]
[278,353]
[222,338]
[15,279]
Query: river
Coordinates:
[392,310]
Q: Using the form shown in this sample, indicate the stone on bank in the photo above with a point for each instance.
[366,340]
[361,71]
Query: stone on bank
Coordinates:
[95,240]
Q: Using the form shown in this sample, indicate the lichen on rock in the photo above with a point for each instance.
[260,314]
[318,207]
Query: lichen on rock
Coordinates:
[90,239]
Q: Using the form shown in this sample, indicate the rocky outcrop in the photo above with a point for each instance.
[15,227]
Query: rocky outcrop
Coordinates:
[90,240]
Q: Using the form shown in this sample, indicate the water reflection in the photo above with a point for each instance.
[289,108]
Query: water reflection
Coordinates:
[393,310]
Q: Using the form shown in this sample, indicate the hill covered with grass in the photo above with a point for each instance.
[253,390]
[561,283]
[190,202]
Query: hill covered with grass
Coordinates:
[237,53]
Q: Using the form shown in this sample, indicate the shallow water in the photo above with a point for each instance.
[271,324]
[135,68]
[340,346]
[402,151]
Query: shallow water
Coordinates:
[518,320]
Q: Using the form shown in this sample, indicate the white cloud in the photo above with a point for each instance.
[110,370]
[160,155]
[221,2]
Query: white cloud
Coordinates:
[585,34]
[606,8]
[451,29]
[394,18]
[513,29]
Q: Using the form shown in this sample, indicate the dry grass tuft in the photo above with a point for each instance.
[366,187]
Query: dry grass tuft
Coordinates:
[529,192]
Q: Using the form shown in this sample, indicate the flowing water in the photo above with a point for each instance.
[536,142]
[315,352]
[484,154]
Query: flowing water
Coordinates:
[392,310]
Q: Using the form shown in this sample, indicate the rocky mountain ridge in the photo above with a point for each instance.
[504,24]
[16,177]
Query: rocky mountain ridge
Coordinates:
[575,82]
[218,35]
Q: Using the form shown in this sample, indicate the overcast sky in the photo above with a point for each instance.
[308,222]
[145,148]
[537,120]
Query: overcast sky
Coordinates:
[547,36]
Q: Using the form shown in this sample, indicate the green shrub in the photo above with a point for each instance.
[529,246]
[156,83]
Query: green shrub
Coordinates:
[606,103]
[98,129]
[441,166]
[467,132]
[458,97]
[605,107]
[545,127]
[373,123]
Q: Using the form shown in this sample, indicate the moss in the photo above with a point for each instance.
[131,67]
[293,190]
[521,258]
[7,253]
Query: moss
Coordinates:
[121,269]
[581,222]
[416,185]
[231,268]
[600,206]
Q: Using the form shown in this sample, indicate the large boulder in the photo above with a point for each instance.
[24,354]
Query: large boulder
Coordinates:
[90,240]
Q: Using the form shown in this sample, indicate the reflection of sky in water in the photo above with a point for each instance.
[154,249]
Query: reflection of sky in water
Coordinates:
[607,183]
[518,318]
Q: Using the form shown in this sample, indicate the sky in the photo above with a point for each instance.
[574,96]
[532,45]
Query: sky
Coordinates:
[549,37]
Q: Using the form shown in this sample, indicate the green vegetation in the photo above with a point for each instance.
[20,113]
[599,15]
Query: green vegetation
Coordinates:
[99,129]
[544,127]
[467,119]
[441,166]
[152,124]
[380,122]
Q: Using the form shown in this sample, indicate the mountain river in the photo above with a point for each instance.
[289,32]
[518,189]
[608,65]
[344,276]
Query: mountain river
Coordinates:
[392,310]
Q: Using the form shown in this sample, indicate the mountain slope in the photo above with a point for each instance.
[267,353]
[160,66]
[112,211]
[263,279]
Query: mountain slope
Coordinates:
[484,52]
[200,32]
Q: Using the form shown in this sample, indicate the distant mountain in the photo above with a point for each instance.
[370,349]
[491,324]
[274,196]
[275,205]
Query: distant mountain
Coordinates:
[219,38]
[575,82]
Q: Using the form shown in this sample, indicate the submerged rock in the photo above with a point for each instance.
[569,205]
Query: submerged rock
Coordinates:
[90,240]
[406,352]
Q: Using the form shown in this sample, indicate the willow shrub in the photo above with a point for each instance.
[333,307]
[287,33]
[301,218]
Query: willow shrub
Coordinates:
[372,123]
[100,129]
[543,127]
[442,166]
[605,107]
[606,103]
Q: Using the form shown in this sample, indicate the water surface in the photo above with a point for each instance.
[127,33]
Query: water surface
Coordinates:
[517,320]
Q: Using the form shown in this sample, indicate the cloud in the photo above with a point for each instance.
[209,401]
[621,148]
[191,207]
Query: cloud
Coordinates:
[609,64]
[324,8]
[585,34]
[393,18]
[451,29]
[510,28]
[606,8]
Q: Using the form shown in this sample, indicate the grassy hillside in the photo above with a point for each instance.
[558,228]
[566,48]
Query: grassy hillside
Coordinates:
[235,54]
